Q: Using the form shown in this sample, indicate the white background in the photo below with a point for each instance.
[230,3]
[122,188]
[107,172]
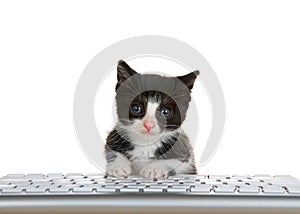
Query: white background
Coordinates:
[253,46]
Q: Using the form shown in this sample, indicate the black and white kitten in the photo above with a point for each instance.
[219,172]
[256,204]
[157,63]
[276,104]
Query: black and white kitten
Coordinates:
[148,139]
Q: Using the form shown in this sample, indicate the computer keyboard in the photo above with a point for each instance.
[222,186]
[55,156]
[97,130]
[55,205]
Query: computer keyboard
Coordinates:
[76,183]
[92,193]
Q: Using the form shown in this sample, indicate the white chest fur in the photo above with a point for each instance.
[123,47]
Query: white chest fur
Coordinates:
[144,152]
[141,156]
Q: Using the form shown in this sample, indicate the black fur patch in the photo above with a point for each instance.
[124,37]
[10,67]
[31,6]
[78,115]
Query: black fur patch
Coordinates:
[166,146]
[172,172]
[110,155]
[115,143]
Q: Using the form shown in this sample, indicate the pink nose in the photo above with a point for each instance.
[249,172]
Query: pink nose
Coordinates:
[149,125]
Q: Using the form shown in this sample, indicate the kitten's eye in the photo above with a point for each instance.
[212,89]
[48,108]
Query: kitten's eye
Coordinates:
[165,112]
[136,109]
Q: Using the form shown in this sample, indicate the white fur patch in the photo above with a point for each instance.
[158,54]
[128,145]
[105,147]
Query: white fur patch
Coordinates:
[138,133]
[151,108]
[160,168]
[120,167]
[156,169]
[144,152]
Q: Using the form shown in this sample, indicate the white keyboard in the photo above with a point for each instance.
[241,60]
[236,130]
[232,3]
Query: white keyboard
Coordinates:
[76,183]
[92,193]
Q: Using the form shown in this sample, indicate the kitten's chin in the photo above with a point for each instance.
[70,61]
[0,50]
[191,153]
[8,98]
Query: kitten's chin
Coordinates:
[150,136]
[145,133]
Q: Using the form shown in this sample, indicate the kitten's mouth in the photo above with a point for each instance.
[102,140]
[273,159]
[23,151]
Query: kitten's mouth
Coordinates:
[148,133]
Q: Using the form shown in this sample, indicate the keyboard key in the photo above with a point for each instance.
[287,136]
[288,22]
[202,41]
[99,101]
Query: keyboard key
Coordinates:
[235,183]
[83,181]
[4,182]
[54,175]
[153,190]
[59,189]
[35,190]
[16,183]
[273,189]
[157,186]
[187,176]
[129,190]
[83,189]
[177,177]
[74,175]
[7,186]
[23,186]
[241,176]
[38,182]
[197,176]
[180,186]
[186,181]
[176,190]
[124,181]
[113,186]
[219,176]
[42,186]
[95,175]
[225,189]
[294,190]
[201,188]
[284,176]
[106,190]
[63,181]
[165,180]
[15,175]
[99,180]
[255,182]
[135,186]
[282,182]
[211,181]
[34,176]
[11,190]
[69,186]
[261,176]
[144,179]
[5,179]
[248,189]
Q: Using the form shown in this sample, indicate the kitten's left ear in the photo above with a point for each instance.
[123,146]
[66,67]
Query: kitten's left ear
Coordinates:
[189,79]
[124,71]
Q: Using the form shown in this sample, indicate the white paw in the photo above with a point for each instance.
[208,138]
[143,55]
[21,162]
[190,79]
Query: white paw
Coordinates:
[154,171]
[118,168]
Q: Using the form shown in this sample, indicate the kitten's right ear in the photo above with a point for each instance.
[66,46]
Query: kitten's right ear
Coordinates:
[124,71]
[189,79]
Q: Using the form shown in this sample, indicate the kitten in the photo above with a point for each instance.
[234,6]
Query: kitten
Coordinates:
[148,139]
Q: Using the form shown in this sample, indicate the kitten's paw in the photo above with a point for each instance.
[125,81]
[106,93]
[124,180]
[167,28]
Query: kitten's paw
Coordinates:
[154,171]
[118,168]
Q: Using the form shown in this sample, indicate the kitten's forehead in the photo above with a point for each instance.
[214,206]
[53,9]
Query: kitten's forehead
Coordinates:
[155,99]
[152,107]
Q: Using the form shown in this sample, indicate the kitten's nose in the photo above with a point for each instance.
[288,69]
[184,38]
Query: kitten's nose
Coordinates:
[149,125]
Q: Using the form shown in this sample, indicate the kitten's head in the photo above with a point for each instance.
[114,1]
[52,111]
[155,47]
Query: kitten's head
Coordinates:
[150,105]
